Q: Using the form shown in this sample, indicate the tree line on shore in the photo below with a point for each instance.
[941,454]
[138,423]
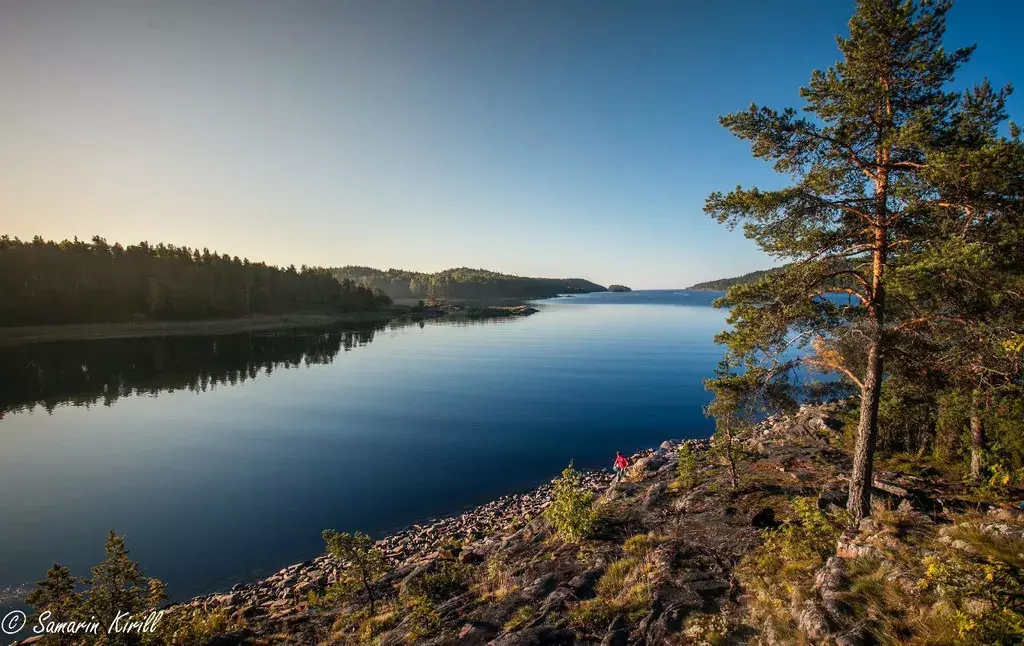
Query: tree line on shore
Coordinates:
[722,284]
[908,196]
[43,282]
[462,283]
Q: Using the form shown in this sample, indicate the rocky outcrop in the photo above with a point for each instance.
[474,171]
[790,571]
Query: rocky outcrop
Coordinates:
[280,602]
[282,599]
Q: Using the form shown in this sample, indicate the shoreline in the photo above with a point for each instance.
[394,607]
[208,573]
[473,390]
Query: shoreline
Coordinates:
[468,537]
[12,336]
[28,334]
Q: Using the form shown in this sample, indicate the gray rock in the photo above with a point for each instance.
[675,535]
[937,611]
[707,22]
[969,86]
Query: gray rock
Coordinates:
[557,600]
[540,587]
[653,495]
[537,636]
[583,585]
[477,632]
[814,622]
[616,638]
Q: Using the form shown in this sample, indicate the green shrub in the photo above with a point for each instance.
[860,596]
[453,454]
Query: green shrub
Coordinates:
[593,614]
[376,625]
[195,626]
[498,580]
[978,579]
[780,572]
[450,580]
[686,468]
[364,565]
[572,510]
[519,619]
[421,618]
[642,546]
[116,585]
[624,589]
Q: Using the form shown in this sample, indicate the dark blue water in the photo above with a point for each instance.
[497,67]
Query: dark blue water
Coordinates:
[222,473]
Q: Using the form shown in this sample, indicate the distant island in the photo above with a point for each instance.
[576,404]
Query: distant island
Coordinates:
[618,288]
[723,284]
[461,283]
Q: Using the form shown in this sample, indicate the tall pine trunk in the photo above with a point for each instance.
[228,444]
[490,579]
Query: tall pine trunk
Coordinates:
[859,503]
[977,435]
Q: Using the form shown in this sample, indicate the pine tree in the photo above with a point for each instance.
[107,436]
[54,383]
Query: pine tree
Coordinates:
[873,166]
[57,594]
[364,563]
[118,585]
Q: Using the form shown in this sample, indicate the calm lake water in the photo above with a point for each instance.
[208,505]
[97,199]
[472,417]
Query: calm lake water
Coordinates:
[222,458]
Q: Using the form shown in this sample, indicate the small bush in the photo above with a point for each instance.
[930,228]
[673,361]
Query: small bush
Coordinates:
[642,545]
[686,468]
[195,626]
[375,626]
[572,510]
[593,614]
[498,580]
[978,579]
[624,589]
[879,604]
[780,572]
[364,565]
[450,580]
[421,619]
[616,577]
[519,619]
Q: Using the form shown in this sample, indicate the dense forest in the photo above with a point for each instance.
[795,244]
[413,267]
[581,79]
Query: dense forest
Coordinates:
[723,284]
[44,282]
[461,283]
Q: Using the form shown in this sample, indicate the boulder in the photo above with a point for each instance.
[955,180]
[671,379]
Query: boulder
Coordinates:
[583,584]
[471,557]
[477,632]
[653,495]
[557,600]
[540,587]
[813,622]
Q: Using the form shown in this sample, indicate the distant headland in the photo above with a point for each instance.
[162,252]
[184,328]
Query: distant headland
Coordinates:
[461,283]
[723,284]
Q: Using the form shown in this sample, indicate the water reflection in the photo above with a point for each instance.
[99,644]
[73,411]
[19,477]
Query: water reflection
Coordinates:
[101,371]
[84,373]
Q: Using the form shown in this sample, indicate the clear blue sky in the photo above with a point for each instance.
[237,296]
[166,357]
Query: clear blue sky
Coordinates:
[558,138]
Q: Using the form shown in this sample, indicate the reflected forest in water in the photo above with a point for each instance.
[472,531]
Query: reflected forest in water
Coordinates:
[86,373]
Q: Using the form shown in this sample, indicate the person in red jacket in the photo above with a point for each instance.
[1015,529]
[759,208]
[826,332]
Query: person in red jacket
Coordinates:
[621,463]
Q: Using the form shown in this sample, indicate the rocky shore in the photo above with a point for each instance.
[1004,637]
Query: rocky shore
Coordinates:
[677,555]
[283,597]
